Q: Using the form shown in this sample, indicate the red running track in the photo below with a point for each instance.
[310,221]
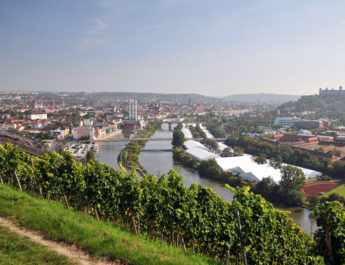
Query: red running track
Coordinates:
[317,188]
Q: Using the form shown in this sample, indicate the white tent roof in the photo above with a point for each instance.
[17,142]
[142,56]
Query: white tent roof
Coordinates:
[186,132]
[222,146]
[198,150]
[190,124]
[208,134]
[248,169]
[201,154]
[191,144]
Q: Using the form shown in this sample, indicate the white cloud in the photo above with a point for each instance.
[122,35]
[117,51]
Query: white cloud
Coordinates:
[87,44]
[99,26]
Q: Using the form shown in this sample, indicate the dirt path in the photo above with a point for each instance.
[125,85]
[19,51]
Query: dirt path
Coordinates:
[72,252]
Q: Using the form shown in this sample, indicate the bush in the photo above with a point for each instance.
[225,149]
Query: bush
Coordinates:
[324,178]
[260,160]
[293,198]
[333,197]
[268,189]
[227,152]
[313,200]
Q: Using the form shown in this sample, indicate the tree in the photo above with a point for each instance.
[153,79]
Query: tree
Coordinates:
[313,200]
[90,156]
[178,138]
[292,179]
[276,162]
[267,188]
[260,160]
[292,198]
[63,145]
[227,152]
[211,143]
[208,168]
[215,127]
[238,151]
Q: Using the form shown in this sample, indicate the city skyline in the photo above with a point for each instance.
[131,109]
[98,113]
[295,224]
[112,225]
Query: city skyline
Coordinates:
[214,48]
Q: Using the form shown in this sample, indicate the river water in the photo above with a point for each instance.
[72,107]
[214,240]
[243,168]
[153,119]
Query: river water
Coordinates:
[156,159]
[109,151]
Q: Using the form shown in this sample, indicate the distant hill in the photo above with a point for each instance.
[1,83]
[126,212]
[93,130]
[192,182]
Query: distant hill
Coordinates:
[261,98]
[173,98]
[323,106]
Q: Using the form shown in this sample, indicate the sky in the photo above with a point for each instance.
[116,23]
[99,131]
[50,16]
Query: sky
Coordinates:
[210,47]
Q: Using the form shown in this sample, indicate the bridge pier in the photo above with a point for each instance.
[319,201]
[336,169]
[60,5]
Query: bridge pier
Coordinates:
[169,124]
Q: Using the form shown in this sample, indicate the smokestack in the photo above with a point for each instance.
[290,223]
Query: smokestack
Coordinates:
[130,109]
[136,110]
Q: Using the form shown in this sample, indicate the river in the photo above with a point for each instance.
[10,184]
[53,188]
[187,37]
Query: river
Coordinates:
[109,151]
[161,161]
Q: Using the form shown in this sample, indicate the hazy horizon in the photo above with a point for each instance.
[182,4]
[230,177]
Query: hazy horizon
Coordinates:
[213,48]
[147,92]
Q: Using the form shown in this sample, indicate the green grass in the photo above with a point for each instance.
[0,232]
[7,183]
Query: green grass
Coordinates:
[340,190]
[15,249]
[98,238]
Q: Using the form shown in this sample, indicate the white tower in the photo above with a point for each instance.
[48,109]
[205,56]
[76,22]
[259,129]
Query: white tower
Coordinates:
[38,104]
[133,110]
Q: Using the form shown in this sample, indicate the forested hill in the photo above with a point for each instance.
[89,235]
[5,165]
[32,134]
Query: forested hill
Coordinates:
[324,106]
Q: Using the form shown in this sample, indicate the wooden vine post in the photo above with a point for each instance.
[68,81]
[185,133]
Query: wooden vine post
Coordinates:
[18,181]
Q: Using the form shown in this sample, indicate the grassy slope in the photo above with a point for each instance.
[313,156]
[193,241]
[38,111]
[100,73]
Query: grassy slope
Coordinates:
[340,190]
[15,249]
[100,239]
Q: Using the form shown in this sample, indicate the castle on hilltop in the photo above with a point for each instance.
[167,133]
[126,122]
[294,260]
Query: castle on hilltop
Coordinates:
[332,92]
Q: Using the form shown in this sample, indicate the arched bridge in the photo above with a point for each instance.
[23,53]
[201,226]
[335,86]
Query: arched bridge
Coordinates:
[148,139]
[177,121]
[170,122]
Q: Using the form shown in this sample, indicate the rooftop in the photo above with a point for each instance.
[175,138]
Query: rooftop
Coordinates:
[248,169]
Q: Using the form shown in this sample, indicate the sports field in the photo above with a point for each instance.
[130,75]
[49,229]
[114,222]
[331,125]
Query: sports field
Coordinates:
[318,187]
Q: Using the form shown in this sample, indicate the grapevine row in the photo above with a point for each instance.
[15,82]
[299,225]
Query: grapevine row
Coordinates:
[193,218]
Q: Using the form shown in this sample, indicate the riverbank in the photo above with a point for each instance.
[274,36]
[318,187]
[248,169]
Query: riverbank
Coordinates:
[129,156]
[110,135]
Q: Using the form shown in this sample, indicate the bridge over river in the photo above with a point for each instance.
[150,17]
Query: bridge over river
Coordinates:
[147,139]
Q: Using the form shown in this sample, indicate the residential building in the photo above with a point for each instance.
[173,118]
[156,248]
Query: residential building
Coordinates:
[83,131]
[38,116]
